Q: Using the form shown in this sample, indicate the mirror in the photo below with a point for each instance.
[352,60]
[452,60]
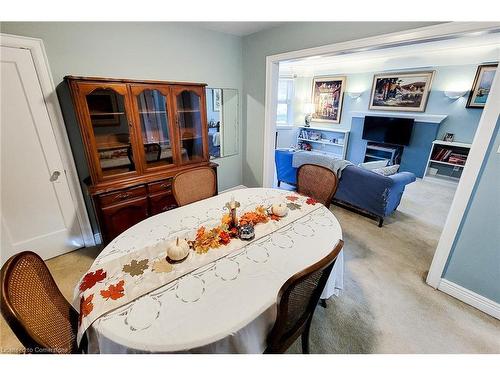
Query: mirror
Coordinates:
[223,120]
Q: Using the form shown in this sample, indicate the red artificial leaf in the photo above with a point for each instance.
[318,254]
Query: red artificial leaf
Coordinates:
[114,291]
[86,307]
[224,238]
[292,198]
[92,278]
[311,201]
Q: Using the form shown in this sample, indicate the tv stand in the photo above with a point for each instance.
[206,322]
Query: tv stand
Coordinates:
[377,151]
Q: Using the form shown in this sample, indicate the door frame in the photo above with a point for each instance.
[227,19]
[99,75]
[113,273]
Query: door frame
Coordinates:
[480,143]
[41,63]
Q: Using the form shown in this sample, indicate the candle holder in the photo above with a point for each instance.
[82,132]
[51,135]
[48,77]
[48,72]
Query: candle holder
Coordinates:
[232,206]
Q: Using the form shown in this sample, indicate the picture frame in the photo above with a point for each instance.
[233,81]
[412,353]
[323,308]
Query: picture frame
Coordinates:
[327,98]
[481,86]
[449,137]
[401,91]
[216,99]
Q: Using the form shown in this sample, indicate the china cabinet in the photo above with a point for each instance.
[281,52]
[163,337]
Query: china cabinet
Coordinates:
[137,136]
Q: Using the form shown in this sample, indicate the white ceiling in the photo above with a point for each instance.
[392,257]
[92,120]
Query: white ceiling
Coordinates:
[461,51]
[238,28]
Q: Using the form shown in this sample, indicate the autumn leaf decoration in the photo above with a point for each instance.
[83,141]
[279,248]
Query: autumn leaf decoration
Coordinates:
[86,307]
[114,291]
[162,266]
[292,198]
[136,268]
[293,206]
[92,278]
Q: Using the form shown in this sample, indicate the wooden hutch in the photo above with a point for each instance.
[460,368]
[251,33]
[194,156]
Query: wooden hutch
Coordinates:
[137,136]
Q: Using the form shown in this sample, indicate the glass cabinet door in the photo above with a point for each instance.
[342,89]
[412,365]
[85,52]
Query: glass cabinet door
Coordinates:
[110,125]
[190,124]
[156,138]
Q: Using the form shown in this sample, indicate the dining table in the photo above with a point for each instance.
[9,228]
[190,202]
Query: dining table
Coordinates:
[226,303]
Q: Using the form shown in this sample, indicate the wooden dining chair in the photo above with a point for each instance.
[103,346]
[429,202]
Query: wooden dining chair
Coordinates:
[317,182]
[297,301]
[194,185]
[34,307]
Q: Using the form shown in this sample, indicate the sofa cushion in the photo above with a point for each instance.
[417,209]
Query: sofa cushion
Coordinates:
[387,171]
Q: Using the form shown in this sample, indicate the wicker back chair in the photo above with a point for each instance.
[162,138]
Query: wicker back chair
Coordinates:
[35,308]
[317,182]
[297,301]
[194,185]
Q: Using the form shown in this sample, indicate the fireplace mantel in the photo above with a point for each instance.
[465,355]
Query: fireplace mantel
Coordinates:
[419,117]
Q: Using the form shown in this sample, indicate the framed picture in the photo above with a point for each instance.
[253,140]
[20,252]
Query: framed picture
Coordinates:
[405,91]
[216,99]
[481,86]
[327,97]
[448,137]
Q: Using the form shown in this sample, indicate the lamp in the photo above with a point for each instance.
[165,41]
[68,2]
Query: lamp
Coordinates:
[355,95]
[308,110]
[454,95]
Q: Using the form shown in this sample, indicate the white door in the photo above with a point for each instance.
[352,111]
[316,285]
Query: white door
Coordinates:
[37,210]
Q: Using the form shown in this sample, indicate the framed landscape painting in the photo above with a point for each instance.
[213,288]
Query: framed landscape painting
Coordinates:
[481,86]
[405,91]
[327,97]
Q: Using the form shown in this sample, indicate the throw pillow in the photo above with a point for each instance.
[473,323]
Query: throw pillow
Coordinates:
[387,171]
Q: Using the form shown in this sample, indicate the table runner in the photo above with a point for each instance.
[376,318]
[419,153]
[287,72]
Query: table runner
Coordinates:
[110,285]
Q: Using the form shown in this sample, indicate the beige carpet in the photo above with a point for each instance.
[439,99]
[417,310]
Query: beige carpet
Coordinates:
[386,306]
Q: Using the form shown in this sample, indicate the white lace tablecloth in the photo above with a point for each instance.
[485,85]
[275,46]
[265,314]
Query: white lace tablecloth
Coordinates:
[227,306]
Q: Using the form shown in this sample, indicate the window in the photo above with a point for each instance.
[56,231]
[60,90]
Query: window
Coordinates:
[284,111]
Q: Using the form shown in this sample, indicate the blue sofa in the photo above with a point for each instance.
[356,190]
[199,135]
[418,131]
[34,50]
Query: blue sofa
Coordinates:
[360,189]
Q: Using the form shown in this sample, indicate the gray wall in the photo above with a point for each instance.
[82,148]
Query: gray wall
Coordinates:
[474,262]
[163,51]
[289,37]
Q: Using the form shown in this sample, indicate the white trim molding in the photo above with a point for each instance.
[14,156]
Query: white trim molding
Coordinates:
[419,117]
[468,179]
[37,50]
[482,138]
[427,34]
[469,297]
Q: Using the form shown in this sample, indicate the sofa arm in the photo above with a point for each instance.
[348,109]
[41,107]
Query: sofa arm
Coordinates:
[403,178]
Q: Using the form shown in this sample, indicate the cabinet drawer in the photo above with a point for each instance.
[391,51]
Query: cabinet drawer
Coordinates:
[122,195]
[160,186]
[159,203]
[119,217]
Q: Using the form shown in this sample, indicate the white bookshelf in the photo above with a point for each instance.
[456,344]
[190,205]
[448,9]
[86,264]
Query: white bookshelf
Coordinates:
[325,144]
[446,171]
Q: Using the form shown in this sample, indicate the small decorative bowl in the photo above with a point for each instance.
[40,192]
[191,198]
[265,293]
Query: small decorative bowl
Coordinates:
[247,232]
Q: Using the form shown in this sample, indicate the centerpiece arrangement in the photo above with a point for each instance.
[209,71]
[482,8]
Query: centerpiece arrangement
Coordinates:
[230,227]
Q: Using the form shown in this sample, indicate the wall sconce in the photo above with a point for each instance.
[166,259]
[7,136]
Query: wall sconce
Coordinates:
[454,95]
[354,95]
[308,110]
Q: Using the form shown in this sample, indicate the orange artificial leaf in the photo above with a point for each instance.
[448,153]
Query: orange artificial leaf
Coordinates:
[275,217]
[292,198]
[86,307]
[114,291]
[92,278]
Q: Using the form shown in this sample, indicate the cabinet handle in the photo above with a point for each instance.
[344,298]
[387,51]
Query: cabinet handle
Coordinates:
[164,186]
[122,196]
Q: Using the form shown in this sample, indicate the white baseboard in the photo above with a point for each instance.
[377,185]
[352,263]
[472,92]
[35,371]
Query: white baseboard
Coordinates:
[465,295]
[97,238]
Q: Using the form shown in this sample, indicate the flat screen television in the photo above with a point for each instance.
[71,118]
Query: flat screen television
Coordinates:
[392,130]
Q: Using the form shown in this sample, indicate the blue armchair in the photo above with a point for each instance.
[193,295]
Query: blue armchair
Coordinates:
[360,189]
